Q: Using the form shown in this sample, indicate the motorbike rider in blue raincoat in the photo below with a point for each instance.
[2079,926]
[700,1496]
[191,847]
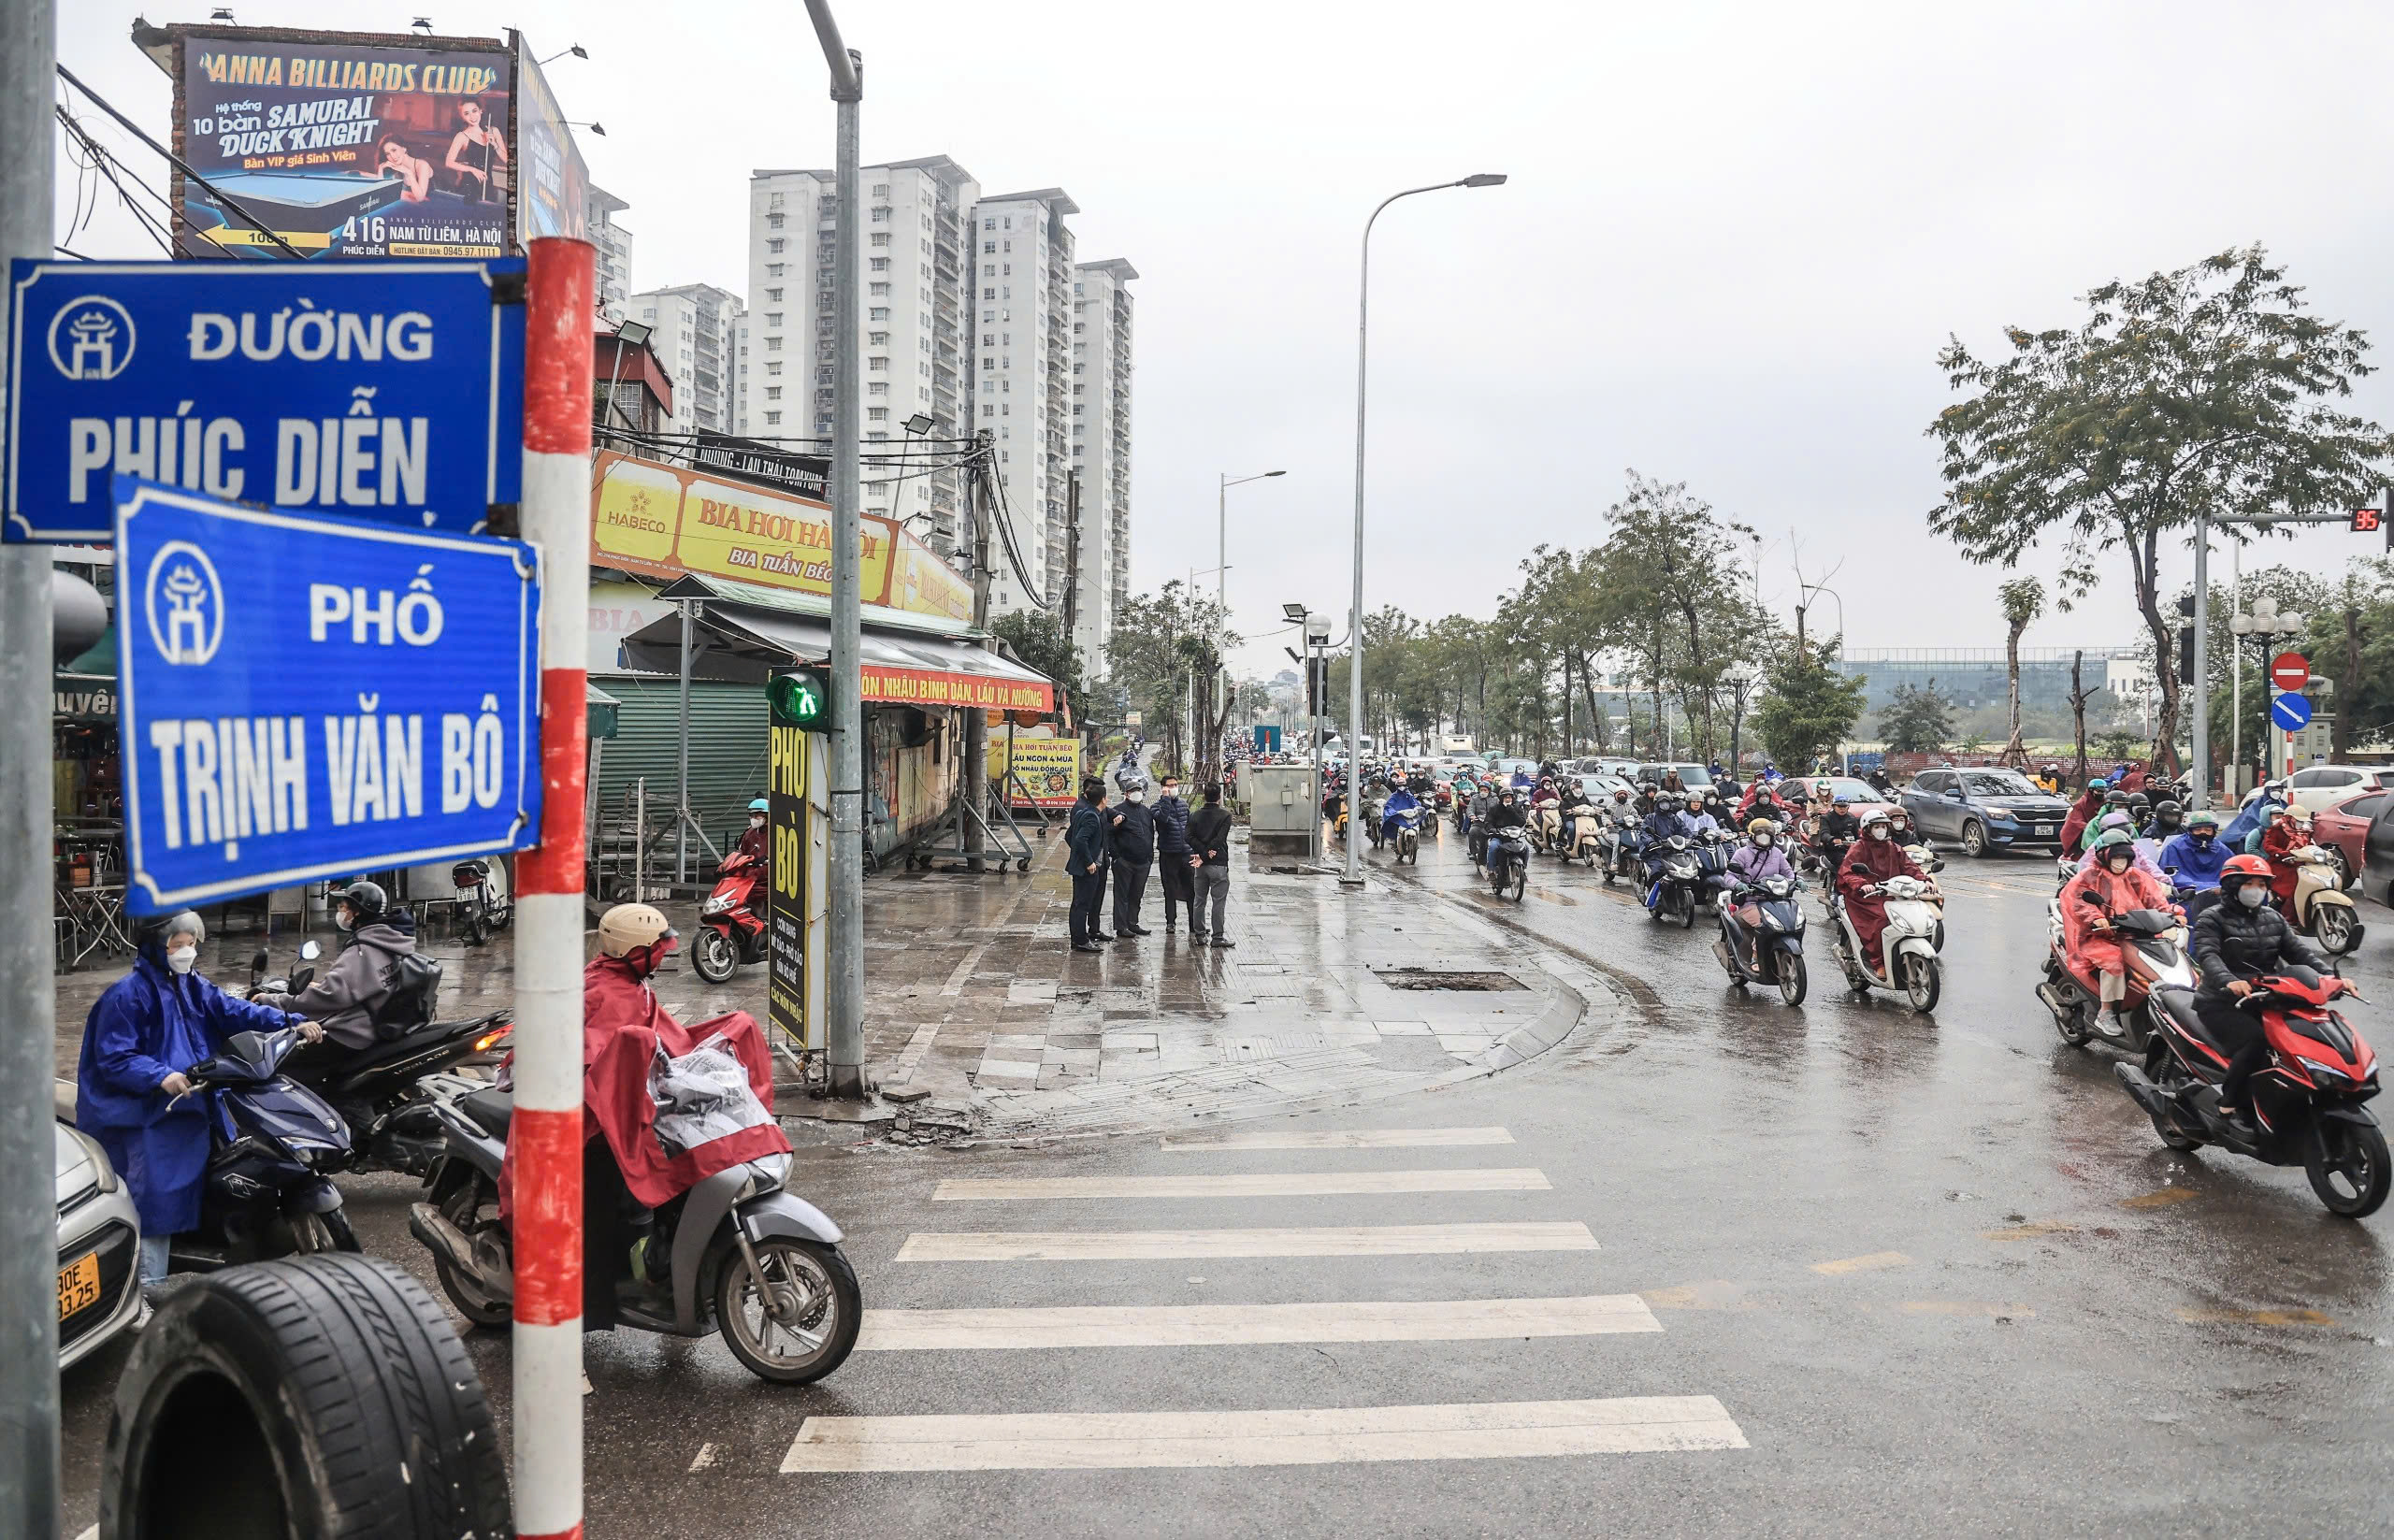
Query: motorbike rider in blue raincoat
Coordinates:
[1400,805]
[2193,862]
[131,1089]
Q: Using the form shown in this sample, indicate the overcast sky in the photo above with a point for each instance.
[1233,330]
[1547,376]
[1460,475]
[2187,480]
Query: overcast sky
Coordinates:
[1734,240]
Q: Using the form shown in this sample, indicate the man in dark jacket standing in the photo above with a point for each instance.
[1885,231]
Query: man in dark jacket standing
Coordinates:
[1134,851]
[1172,854]
[1087,849]
[1209,849]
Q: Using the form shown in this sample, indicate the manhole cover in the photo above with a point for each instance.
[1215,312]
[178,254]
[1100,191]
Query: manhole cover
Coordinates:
[1296,870]
[1431,978]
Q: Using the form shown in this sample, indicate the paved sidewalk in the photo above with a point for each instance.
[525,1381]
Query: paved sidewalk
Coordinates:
[975,998]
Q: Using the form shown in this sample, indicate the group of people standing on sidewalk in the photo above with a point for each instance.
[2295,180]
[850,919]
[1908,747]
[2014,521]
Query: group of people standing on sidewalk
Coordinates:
[1130,841]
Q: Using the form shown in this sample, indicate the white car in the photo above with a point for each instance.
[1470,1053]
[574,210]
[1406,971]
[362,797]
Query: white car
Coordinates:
[99,1240]
[2322,787]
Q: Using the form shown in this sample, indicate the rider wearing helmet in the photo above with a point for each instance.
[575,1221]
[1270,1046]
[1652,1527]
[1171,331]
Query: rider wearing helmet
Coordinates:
[2243,831]
[2165,822]
[1835,832]
[2110,884]
[2082,812]
[1699,820]
[1872,859]
[1760,856]
[2238,940]
[348,1000]
[2049,779]
[2194,860]
[2288,830]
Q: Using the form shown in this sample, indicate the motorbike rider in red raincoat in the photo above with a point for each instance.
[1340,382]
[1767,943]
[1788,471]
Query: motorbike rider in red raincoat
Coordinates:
[2110,883]
[1869,861]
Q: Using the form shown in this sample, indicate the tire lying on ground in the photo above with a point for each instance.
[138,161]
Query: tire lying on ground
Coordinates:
[317,1397]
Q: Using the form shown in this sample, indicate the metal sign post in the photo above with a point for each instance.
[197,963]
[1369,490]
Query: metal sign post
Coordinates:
[376,390]
[253,759]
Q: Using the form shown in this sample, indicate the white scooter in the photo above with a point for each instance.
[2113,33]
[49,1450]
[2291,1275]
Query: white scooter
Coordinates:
[1908,960]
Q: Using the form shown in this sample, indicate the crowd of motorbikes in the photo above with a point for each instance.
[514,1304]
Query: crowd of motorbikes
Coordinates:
[1691,855]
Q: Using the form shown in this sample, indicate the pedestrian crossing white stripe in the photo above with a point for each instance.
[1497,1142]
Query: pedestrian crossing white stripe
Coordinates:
[1078,1246]
[1312,1436]
[1299,1184]
[1225,1325]
[1340,1139]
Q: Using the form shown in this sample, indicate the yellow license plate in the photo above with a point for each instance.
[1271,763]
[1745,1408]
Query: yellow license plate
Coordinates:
[78,1286]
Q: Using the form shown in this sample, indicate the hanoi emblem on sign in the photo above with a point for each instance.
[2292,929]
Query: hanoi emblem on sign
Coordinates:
[186,604]
[90,339]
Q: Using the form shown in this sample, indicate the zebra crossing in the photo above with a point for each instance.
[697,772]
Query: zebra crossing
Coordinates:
[1163,1436]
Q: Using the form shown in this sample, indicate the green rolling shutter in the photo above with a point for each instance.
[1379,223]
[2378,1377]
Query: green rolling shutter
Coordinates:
[728,746]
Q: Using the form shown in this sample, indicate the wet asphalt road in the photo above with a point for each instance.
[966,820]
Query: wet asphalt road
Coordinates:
[1939,1276]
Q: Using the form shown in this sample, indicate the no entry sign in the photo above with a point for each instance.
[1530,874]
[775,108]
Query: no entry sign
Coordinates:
[2290,671]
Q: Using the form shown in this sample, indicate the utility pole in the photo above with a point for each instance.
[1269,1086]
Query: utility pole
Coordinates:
[975,794]
[28,1162]
[843,994]
[1071,555]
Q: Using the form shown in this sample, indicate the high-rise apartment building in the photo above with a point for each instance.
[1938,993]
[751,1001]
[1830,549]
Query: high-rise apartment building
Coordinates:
[1021,384]
[615,247]
[697,341]
[912,325]
[1100,440]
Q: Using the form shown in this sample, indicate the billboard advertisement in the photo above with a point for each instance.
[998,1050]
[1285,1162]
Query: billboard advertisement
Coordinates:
[342,145]
[1049,770]
[552,183]
[665,520]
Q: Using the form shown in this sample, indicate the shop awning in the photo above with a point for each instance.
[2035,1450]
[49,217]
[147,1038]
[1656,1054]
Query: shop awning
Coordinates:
[745,642]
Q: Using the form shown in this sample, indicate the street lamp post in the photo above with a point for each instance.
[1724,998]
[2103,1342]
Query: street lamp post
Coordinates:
[2265,621]
[1354,876]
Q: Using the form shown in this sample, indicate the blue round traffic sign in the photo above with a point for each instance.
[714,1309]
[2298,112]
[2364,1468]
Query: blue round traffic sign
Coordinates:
[2291,712]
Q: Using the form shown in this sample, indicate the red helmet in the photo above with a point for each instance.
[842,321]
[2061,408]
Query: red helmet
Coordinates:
[2244,866]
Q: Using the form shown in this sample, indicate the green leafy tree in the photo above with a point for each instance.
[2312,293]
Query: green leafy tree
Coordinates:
[1808,707]
[1040,640]
[2201,390]
[1918,720]
[1165,656]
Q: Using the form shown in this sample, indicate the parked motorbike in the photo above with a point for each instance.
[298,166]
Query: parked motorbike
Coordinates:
[2306,1101]
[1908,948]
[1508,862]
[739,1253]
[375,1090]
[730,932]
[485,909]
[271,1141]
[1674,878]
[2321,907]
[1762,936]
[2160,977]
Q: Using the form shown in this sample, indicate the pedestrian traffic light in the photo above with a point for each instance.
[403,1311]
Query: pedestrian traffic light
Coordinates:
[800,698]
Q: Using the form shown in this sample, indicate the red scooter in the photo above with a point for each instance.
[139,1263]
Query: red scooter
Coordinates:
[730,932]
[2306,1101]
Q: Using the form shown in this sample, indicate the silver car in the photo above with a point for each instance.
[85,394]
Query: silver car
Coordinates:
[99,1240]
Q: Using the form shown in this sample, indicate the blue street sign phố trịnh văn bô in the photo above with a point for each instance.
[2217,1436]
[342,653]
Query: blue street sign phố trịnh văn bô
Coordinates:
[391,391]
[2291,712]
[306,697]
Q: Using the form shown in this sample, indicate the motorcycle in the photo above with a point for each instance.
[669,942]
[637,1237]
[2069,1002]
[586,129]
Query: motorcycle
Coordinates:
[481,905]
[2160,977]
[1762,936]
[374,1089]
[2306,1101]
[1409,833]
[1546,828]
[1674,879]
[1508,862]
[2321,908]
[1582,840]
[1712,850]
[1624,848]
[739,1253]
[271,1141]
[730,932]
[1907,947]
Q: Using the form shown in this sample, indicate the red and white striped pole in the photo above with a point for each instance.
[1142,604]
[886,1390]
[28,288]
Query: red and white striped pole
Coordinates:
[546,1129]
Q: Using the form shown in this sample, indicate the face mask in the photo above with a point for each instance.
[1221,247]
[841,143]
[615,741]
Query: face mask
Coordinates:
[2116,864]
[1762,841]
[2202,836]
[344,920]
[1138,796]
[755,823]
[1878,834]
[1172,792]
[181,958]
[2251,895]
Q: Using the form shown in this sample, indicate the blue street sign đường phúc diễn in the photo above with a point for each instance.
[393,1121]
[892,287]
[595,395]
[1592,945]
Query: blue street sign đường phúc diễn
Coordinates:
[301,697]
[391,391]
